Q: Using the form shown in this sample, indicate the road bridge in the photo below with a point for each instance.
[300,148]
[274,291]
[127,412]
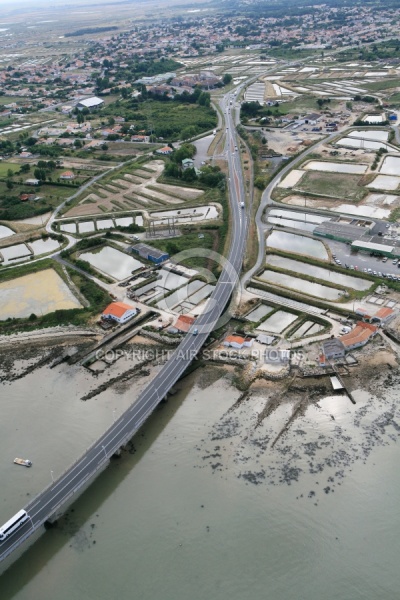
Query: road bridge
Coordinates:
[51,501]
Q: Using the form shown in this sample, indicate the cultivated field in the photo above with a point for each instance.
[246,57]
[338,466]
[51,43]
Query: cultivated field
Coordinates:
[135,190]
[337,185]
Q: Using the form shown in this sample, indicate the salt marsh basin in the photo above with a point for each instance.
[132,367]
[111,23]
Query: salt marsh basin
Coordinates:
[356,283]
[112,262]
[291,242]
[277,322]
[38,293]
[390,165]
[5,232]
[301,285]
[379,135]
[335,167]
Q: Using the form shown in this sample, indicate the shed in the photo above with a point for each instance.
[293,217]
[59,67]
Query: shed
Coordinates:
[364,246]
[265,339]
[90,103]
[187,163]
[333,348]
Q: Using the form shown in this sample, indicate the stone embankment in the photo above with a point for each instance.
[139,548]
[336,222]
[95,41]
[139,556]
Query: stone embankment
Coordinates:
[158,337]
[52,333]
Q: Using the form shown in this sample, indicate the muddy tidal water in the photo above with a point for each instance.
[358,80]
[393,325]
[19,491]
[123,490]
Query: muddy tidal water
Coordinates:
[203,504]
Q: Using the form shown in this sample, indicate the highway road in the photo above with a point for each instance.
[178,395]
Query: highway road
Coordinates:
[58,493]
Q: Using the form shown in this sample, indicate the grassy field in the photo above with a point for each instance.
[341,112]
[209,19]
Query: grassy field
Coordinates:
[385,84]
[10,99]
[168,120]
[395,98]
[300,105]
[337,185]
[12,208]
[189,242]
[5,167]
[291,53]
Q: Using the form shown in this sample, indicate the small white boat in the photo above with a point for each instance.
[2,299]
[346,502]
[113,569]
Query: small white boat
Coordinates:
[23,462]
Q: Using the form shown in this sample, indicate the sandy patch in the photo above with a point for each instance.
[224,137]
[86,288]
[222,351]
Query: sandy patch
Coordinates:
[38,293]
[291,179]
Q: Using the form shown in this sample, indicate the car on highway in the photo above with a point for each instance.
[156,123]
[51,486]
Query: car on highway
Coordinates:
[195,331]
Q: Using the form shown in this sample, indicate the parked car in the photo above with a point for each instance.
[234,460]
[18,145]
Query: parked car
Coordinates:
[345,330]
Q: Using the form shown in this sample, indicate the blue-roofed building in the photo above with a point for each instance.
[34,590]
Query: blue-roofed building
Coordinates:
[149,253]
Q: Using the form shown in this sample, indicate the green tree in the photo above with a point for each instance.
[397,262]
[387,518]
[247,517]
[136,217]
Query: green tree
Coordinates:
[172,248]
[185,151]
[227,79]
[189,175]
[260,183]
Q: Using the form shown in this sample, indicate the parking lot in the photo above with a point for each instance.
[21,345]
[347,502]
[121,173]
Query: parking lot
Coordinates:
[363,261]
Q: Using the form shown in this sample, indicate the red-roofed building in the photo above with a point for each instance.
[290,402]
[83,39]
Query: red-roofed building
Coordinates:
[119,312]
[238,342]
[67,175]
[183,324]
[141,138]
[359,336]
[383,315]
[166,150]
